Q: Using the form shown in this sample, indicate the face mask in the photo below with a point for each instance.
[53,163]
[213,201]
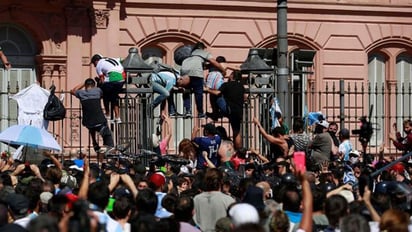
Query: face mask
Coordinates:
[354,159]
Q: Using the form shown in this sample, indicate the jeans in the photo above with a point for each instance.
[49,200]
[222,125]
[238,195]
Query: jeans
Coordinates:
[221,102]
[196,84]
[162,91]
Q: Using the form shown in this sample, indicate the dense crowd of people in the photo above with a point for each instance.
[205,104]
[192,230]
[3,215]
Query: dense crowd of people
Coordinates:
[213,183]
[206,188]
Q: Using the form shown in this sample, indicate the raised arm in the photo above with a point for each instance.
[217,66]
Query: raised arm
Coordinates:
[77,87]
[269,137]
[218,65]
[5,61]
[55,161]
[169,133]
[84,187]
[307,201]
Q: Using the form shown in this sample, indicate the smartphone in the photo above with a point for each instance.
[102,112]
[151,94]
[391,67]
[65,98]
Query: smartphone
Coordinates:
[300,161]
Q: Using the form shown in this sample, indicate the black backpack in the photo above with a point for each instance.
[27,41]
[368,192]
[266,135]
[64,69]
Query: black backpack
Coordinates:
[54,109]
[182,53]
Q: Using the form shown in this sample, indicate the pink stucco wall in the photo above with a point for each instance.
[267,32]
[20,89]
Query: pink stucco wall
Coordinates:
[343,33]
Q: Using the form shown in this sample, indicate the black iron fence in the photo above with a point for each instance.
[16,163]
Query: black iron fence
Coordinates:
[340,101]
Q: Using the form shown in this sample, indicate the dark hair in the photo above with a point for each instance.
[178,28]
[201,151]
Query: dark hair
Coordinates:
[146,201]
[221,59]
[5,179]
[89,82]
[249,227]
[237,75]
[56,205]
[184,208]
[336,207]
[169,202]
[221,131]
[354,222]
[122,207]
[213,179]
[298,125]
[3,214]
[99,194]
[54,174]
[278,131]
[198,45]
[43,223]
[291,199]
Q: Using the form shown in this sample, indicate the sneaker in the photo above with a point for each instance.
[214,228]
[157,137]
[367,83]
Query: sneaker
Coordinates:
[212,116]
[102,150]
[109,120]
[174,115]
[201,115]
[96,148]
[118,120]
[188,114]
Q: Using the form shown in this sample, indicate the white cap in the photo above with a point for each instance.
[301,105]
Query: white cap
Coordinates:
[243,213]
[324,123]
[348,195]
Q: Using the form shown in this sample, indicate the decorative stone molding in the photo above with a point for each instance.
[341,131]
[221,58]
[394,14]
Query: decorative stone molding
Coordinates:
[62,71]
[47,70]
[101,18]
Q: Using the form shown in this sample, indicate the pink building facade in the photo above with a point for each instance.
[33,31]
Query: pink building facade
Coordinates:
[368,41]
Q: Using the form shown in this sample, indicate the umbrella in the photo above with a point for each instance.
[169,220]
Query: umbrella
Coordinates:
[29,136]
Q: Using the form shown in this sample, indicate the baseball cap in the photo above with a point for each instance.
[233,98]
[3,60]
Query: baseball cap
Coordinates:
[354,153]
[18,203]
[323,123]
[243,213]
[45,197]
[158,179]
[95,57]
[348,195]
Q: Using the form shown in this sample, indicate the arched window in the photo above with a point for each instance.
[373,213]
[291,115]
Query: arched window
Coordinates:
[377,77]
[152,54]
[20,49]
[404,84]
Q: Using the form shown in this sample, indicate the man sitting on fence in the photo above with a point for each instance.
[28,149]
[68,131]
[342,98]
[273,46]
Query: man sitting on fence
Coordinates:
[93,116]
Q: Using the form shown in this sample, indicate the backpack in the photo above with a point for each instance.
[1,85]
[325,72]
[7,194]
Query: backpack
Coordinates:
[182,53]
[54,109]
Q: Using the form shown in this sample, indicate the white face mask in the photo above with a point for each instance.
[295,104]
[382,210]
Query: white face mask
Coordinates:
[354,159]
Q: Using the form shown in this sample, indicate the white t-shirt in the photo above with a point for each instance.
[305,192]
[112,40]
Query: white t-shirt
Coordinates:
[107,65]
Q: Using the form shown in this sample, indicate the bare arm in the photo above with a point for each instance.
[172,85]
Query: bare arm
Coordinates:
[270,138]
[366,199]
[127,180]
[212,91]
[5,61]
[114,180]
[77,87]
[55,161]
[168,136]
[307,200]
[194,132]
[218,65]
[209,163]
[260,156]
[84,187]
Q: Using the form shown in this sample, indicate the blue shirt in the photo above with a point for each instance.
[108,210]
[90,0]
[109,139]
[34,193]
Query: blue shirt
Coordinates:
[211,146]
[164,78]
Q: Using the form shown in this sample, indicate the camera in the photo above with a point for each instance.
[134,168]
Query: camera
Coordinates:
[365,131]
[171,159]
